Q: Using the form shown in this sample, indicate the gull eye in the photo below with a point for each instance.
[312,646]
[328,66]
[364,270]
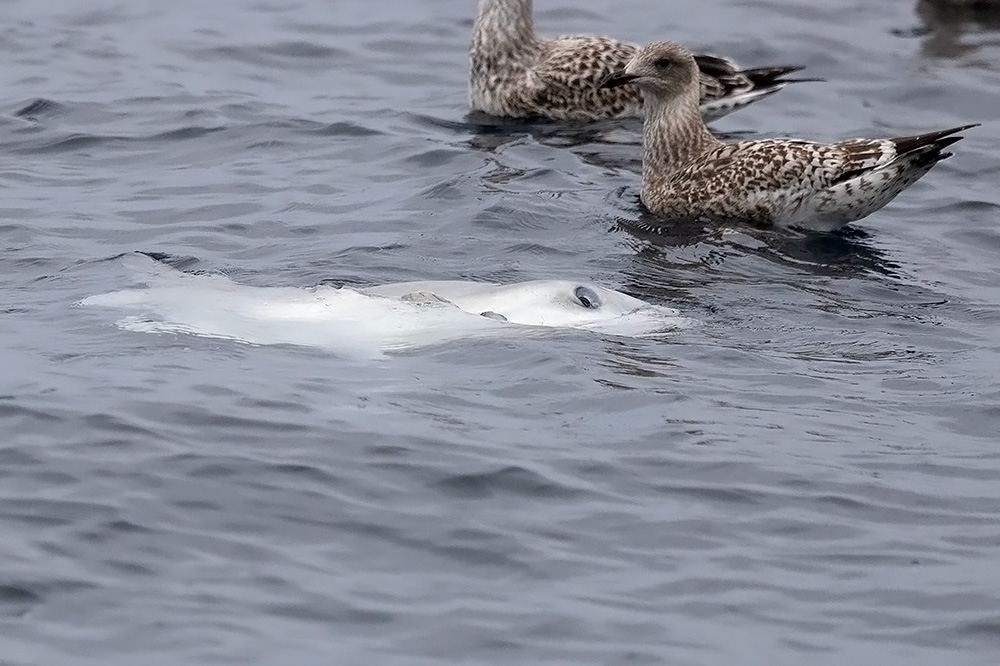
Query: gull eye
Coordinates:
[588,297]
[662,63]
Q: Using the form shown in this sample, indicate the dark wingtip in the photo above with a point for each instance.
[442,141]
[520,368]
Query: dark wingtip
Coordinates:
[947,141]
[812,79]
[941,138]
[772,71]
[713,65]
[953,130]
[760,77]
[763,76]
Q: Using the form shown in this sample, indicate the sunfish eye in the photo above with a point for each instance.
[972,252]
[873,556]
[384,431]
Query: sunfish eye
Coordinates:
[588,297]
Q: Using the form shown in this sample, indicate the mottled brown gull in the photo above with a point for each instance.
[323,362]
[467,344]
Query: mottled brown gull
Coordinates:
[787,182]
[514,73]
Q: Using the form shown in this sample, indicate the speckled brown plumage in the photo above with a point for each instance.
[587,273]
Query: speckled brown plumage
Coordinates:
[788,182]
[515,74]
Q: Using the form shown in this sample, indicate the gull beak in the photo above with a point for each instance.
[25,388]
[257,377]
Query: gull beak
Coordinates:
[619,78]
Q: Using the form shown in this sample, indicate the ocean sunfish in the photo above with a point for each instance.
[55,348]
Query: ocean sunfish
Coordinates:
[372,320]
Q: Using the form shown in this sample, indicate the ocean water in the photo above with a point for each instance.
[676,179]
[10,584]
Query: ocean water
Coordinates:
[810,475]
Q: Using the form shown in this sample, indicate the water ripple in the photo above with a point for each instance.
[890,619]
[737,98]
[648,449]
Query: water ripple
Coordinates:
[812,467]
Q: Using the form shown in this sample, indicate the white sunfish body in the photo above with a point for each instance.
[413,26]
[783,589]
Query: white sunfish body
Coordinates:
[557,303]
[373,320]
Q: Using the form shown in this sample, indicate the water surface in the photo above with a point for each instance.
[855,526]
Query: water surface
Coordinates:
[809,476]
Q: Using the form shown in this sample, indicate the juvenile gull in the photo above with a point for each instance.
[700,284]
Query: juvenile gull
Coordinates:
[514,73]
[787,182]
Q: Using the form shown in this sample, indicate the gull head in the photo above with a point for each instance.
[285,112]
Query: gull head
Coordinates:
[665,69]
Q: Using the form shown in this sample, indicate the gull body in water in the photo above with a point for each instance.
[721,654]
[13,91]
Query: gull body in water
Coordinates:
[687,172]
[516,74]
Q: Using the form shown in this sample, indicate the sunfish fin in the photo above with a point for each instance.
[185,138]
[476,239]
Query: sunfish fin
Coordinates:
[423,298]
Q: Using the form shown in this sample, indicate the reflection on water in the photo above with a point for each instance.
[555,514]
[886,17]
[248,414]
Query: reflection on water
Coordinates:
[844,252]
[953,29]
[490,133]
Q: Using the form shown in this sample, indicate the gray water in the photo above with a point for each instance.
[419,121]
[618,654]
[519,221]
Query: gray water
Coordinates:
[807,477]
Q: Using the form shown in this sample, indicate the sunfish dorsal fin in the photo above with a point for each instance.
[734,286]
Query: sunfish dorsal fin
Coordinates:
[423,298]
